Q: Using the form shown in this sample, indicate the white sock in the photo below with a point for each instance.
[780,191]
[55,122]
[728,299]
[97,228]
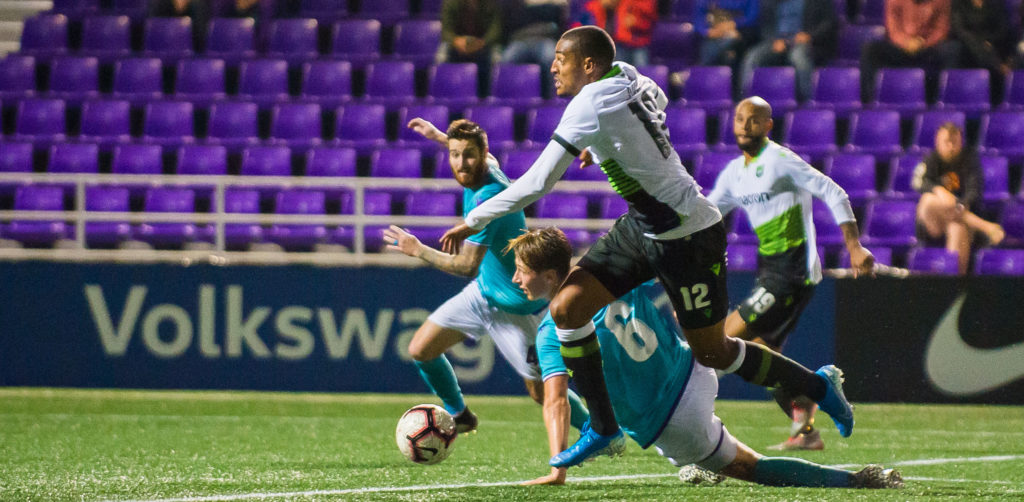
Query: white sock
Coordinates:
[739,359]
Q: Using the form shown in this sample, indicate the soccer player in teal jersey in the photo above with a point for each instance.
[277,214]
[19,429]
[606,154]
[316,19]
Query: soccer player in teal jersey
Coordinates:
[660,394]
[491,305]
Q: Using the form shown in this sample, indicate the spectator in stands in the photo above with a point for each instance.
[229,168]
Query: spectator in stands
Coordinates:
[470,33]
[244,8]
[532,29]
[950,181]
[800,33]
[984,29]
[725,27]
[197,10]
[629,22]
[917,35]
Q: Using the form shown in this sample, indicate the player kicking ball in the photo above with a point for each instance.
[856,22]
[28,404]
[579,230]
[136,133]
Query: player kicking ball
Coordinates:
[660,394]
[490,305]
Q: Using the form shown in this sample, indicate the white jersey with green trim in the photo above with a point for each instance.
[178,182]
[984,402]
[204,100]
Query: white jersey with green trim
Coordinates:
[621,120]
[775,189]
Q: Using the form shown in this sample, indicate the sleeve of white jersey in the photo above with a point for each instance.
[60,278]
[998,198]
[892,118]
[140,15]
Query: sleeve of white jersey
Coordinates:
[822,187]
[721,194]
[578,126]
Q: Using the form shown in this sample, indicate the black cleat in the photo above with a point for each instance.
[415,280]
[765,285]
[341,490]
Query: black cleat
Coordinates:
[465,421]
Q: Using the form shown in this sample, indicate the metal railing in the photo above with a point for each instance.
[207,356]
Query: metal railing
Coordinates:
[218,254]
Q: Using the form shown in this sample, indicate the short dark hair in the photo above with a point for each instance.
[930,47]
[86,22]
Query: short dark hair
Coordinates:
[469,131]
[544,249]
[592,42]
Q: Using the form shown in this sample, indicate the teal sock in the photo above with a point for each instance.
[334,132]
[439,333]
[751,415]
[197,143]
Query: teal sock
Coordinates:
[785,471]
[578,414]
[440,377]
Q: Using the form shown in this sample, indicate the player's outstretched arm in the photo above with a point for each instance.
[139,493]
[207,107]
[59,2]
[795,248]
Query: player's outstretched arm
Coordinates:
[556,420]
[862,262]
[466,263]
[427,130]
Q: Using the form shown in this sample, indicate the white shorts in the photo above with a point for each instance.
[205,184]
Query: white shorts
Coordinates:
[514,335]
[694,434]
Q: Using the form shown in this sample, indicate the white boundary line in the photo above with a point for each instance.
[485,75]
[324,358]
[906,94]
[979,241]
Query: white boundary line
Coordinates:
[395,489]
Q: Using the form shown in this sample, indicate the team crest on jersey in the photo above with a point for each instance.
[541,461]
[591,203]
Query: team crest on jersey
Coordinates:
[759,171]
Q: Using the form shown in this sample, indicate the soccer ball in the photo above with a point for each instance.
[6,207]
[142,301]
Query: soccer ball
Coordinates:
[426,434]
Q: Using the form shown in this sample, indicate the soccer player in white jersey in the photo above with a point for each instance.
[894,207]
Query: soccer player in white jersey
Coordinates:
[662,397]
[490,305]
[775,187]
[671,232]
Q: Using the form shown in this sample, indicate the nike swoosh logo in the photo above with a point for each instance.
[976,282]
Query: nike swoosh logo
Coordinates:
[958,369]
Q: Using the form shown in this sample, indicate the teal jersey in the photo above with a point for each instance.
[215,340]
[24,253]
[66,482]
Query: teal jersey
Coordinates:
[497,267]
[646,364]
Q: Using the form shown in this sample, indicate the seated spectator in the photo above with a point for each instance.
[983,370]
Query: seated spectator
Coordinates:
[801,33]
[950,181]
[629,22]
[532,29]
[470,33]
[725,27]
[917,35]
[197,10]
[983,28]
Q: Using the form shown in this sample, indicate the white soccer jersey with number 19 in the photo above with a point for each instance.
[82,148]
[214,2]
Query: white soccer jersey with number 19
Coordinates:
[621,119]
[775,189]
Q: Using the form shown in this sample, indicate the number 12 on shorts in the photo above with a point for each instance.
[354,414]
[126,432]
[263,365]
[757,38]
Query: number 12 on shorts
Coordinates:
[695,297]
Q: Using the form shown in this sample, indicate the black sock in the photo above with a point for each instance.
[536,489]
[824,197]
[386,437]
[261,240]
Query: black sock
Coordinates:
[765,367]
[583,360]
[784,400]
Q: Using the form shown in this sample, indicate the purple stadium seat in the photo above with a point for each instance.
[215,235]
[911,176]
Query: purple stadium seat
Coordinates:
[264,81]
[453,85]
[234,125]
[900,89]
[296,125]
[44,35]
[928,123]
[516,85]
[939,261]
[137,159]
[40,121]
[138,80]
[231,39]
[200,81]
[999,262]
[293,39]
[135,9]
[324,11]
[396,163]
[656,72]
[266,161]
[562,205]
[708,87]
[1013,97]
[837,89]
[73,158]
[168,38]
[37,232]
[612,206]
[168,123]
[518,161]
[14,158]
[870,12]
[590,173]
[106,233]
[168,200]
[202,160]
[996,190]
[673,45]
[331,162]
[391,82]
[890,223]
[856,174]
[74,79]
[430,203]
[776,84]
[852,38]
[416,40]
[965,90]
[407,138]
[811,133]
[388,12]
[375,202]
[356,41]
[298,236]
[687,128]
[901,173]
[541,123]
[17,76]
[827,233]
[241,235]
[106,123]
[741,231]
[76,9]
[327,83]
[1000,133]
[883,255]
[1013,223]
[361,126]
[706,170]
[106,37]
[875,132]
[499,122]
[742,257]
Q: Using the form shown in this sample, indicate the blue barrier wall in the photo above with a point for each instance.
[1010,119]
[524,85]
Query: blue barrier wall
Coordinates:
[301,328]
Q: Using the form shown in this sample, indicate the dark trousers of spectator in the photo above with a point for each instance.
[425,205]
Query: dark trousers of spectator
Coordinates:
[884,54]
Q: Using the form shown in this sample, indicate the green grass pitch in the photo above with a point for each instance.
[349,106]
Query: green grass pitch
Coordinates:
[93,445]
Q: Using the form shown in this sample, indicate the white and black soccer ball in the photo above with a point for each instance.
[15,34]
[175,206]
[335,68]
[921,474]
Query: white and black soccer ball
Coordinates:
[426,434]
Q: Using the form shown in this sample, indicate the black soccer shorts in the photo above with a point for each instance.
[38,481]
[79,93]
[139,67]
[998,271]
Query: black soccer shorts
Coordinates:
[774,307]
